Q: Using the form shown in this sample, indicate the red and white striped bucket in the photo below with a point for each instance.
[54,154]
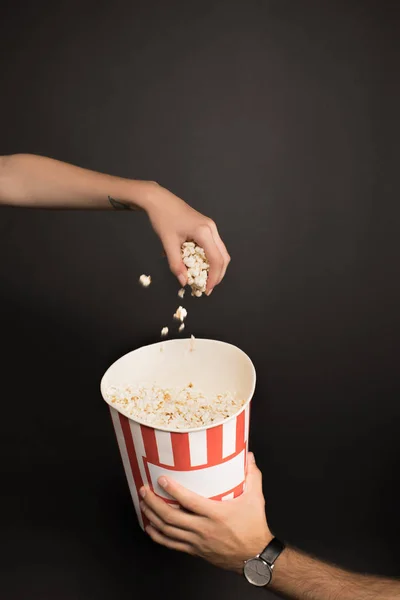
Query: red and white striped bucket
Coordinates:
[210,461]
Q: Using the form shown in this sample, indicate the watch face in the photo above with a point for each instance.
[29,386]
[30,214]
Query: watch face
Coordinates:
[257,572]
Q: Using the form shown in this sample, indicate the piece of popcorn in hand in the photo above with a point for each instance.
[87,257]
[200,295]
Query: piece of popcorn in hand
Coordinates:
[145,280]
[181,313]
[196,271]
[200,251]
[189,261]
[164,331]
[186,252]
[194,258]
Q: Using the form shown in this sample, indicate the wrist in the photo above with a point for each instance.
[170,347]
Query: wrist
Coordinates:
[142,194]
[260,569]
[281,568]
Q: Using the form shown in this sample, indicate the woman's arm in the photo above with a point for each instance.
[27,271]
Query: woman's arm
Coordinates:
[40,182]
[33,181]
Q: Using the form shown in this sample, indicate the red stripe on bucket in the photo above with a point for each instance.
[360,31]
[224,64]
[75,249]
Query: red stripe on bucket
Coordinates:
[130,448]
[248,418]
[240,432]
[214,445]
[150,444]
[238,491]
[181,451]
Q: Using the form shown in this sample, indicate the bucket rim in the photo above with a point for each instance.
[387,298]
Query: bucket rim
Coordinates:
[187,430]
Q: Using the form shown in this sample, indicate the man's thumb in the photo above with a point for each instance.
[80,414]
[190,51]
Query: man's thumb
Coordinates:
[254,476]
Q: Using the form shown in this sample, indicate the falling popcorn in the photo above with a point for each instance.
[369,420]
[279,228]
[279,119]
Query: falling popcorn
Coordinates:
[181,313]
[192,343]
[181,327]
[164,331]
[194,258]
[145,280]
[181,292]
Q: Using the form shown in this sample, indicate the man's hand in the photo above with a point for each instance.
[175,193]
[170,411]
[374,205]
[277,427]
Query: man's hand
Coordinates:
[175,222]
[224,533]
[228,533]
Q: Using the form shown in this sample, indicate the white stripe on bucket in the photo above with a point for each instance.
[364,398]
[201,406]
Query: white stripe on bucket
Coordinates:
[164,447]
[198,448]
[228,497]
[213,481]
[229,438]
[126,463]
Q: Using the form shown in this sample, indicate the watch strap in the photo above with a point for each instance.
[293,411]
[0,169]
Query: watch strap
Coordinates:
[272,551]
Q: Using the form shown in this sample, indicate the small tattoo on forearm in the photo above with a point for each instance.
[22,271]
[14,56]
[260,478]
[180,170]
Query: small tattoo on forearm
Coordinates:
[118,205]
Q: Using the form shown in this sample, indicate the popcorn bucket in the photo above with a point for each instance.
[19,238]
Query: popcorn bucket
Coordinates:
[209,460]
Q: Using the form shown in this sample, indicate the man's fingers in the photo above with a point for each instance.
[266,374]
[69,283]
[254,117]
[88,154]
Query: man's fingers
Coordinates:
[205,239]
[162,539]
[168,530]
[168,514]
[172,247]
[253,476]
[198,505]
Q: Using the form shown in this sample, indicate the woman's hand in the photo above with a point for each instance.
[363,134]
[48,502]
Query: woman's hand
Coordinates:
[175,222]
[40,182]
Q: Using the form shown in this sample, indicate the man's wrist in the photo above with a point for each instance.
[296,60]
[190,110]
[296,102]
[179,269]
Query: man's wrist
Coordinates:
[281,568]
[279,549]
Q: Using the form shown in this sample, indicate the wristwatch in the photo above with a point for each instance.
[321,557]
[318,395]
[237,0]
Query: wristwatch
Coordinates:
[258,570]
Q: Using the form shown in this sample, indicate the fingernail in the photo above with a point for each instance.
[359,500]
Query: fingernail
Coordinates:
[182,279]
[210,292]
[252,457]
[142,492]
[162,482]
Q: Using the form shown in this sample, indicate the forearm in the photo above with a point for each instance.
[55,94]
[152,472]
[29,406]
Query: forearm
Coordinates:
[299,577]
[36,181]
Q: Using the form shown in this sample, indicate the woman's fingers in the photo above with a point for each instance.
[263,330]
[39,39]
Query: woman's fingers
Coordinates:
[222,248]
[205,239]
[173,250]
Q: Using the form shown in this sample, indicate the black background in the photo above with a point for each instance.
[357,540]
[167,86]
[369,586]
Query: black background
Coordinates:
[280,120]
